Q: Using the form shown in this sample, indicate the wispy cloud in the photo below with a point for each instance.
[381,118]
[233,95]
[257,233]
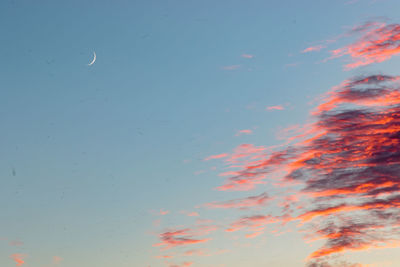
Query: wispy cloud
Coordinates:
[180,237]
[242,132]
[347,165]
[164,212]
[377,42]
[219,156]
[244,203]
[184,264]
[18,258]
[247,56]
[277,107]
[231,67]
[313,48]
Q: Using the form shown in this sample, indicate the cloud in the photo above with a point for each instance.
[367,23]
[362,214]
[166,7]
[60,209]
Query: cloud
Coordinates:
[185,264]
[346,168]
[164,212]
[231,67]
[377,42]
[241,132]
[278,107]
[216,156]
[313,48]
[293,64]
[244,203]
[57,259]
[184,237]
[181,237]
[253,223]
[18,258]
[247,56]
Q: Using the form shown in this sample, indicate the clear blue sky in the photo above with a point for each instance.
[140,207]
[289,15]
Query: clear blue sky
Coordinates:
[91,154]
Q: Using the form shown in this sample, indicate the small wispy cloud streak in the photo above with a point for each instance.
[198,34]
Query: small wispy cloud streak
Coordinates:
[278,107]
[243,132]
[244,203]
[18,258]
[231,67]
[247,56]
[313,48]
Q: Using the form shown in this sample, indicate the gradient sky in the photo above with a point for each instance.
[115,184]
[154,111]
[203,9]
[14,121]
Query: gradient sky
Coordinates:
[119,163]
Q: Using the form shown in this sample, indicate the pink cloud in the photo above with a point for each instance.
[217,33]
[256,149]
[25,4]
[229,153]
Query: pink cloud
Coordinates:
[247,56]
[57,259]
[252,223]
[378,42]
[190,214]
[241,132]
[313,48]
[216,156]
[184,237]
[278,107]
[164,212]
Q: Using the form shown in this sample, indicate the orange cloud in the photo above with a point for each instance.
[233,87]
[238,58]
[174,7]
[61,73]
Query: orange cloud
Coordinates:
[18,258]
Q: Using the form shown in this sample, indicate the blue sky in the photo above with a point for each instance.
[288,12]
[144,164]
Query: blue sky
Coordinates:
[91,154]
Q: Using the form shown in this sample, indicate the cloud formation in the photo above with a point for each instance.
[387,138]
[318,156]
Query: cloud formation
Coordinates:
[346,169]
[377,42]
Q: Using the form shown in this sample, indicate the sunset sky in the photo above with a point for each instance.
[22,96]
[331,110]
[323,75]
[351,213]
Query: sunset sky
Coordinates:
[223,133]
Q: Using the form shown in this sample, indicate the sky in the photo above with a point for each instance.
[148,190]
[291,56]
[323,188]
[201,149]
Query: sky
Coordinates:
[205,133]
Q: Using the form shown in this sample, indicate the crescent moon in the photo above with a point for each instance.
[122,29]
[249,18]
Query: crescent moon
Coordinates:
[94,59]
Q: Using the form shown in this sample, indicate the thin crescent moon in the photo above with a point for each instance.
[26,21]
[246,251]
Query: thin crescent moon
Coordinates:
[94,59]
